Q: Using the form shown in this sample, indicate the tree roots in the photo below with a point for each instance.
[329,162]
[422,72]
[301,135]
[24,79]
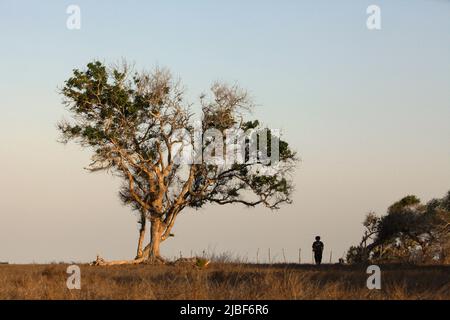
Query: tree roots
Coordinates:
[102,262]
[196,262]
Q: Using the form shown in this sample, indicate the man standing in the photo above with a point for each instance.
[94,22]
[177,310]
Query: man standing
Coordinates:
[318,249]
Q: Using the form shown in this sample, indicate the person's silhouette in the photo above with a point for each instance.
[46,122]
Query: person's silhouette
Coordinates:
[318,249]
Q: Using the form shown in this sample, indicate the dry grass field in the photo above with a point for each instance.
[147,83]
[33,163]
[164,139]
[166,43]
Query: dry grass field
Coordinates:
[224,281]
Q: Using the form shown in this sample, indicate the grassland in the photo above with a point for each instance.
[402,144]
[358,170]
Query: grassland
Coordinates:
[224,281]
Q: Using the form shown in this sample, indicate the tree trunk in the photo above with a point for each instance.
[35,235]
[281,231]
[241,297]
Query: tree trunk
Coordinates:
[156,229]
[143,223]
[150,254]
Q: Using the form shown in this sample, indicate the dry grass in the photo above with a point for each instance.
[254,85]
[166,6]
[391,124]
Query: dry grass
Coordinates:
[224,281]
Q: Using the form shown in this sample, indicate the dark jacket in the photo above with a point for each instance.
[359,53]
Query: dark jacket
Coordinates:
[317,246]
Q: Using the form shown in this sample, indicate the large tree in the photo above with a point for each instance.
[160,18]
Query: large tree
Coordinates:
[132,122]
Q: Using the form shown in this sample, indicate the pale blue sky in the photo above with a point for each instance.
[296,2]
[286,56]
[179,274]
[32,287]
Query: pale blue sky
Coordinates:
[368,111]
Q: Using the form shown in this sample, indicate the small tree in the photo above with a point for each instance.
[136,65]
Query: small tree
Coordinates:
[360,253]
[132,124]
[410,231]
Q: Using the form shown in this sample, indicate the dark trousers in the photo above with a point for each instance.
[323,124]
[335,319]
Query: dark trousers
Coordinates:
[318,257]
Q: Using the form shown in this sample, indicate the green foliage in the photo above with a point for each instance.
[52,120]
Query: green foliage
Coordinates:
[202,263]
[250,125]
[355,255]
[404,204]
[261,182]
[408,224]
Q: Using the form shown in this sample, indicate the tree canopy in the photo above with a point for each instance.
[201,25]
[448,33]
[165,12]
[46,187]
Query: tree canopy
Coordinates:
[409,232]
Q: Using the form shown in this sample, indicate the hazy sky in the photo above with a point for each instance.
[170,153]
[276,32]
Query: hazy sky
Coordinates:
[368,112]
